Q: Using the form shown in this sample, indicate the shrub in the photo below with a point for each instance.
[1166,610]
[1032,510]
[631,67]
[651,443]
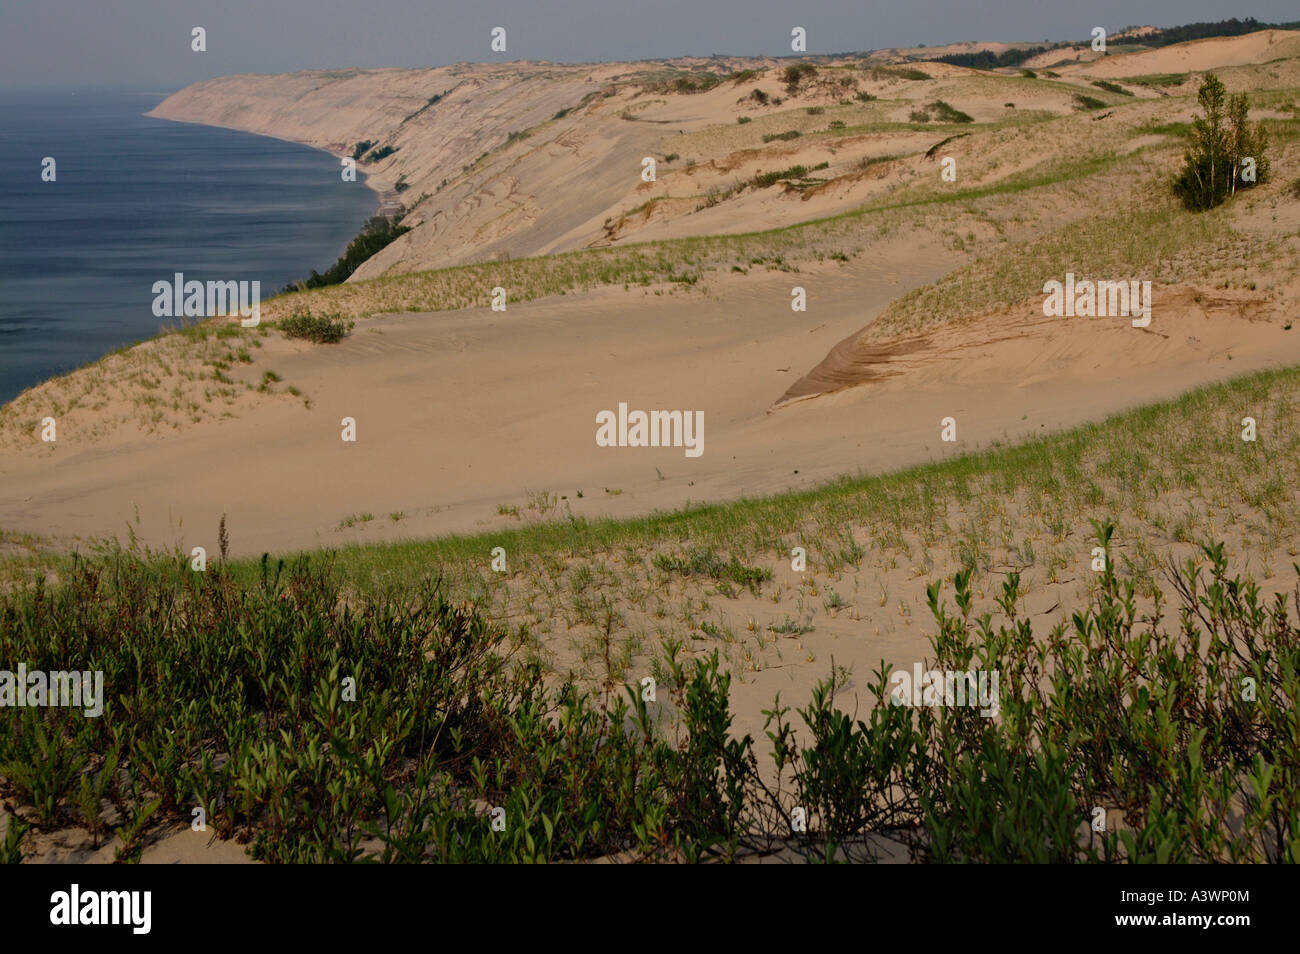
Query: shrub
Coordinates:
[778,137]
[320,329]
[897,72]
[1221,140]
[741,120]
[758,96]
[229,690]
[864,97]
[1087,102]
[945,113]
[987,60]
[381,153]
[361,148]
[1110,87]
[377,233]
[793,76]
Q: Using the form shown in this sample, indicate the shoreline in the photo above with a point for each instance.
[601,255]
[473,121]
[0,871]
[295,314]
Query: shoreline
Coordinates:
[383,189]
[385,198]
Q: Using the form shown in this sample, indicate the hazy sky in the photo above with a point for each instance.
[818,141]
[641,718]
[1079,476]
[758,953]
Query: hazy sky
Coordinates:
[145,44]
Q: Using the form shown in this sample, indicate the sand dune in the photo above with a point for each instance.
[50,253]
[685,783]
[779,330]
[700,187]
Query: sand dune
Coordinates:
[460,412]
[1196,55]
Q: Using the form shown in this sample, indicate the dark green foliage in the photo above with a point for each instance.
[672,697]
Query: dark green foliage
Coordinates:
[361,148]
[319,329]
[986,60]
[897,72]
[374,235]
[944,113]
[1200,31]
[782,137]
[239,697]
[11,849]
[1110,87]
[383,152]
[1221,141]
[304,722]
[1082,101]
[793,76]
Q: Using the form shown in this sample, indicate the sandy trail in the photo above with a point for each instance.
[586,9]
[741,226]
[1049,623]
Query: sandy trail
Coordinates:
[459,412]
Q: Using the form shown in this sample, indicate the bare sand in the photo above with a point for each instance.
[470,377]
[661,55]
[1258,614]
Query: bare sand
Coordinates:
[458,413]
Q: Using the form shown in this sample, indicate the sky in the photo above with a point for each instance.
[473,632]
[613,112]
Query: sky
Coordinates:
[145,44]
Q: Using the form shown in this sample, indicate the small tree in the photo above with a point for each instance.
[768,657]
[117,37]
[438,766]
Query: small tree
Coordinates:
[1222,140]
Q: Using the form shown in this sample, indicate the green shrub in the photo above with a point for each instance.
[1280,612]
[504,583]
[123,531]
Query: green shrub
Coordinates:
[320,329]
[945,113]
[784,136]
[1087,102]
[793,76]
[377,233]
[1110,87]
[1221,141]
[897,72]
[318,721]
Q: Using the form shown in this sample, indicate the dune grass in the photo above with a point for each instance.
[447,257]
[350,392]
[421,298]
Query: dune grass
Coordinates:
[317,712]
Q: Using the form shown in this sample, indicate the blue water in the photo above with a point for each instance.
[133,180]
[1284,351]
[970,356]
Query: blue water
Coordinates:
[136,200]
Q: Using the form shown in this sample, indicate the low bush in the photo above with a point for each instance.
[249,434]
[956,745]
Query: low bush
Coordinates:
[315,721]
[319,329]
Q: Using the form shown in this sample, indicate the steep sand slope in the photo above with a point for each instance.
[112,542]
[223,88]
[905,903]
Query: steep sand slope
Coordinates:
[513,160]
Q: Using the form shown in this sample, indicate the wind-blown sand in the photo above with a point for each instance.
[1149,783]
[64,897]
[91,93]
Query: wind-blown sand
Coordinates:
[460,412]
